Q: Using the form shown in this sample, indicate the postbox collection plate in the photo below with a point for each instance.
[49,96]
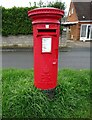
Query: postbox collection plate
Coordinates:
[46,44]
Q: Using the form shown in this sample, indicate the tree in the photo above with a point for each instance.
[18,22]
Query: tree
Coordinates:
[30,4]
[34,4]
[40,4]
[58,5]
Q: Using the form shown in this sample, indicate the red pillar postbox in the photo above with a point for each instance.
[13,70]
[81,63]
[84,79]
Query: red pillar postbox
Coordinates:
[46,30]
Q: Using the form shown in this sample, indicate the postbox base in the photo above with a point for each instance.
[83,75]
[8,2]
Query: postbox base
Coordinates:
[49,93]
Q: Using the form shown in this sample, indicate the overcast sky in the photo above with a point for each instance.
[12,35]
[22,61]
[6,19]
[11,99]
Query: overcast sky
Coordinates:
[25,3]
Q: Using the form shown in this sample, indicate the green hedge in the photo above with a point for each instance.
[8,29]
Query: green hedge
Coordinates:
[15,21]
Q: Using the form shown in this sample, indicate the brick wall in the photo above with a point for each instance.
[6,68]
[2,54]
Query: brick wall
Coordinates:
[74,29]
[75,32]
[72,16]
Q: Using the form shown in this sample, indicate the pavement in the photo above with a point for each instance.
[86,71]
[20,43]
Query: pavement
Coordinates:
[26,41]
[63,44]
[78,44]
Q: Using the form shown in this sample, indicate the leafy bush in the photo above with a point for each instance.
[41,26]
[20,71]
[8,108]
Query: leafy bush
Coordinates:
[15,21]
[22,100]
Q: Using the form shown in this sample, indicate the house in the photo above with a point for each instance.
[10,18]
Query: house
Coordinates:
[79,21]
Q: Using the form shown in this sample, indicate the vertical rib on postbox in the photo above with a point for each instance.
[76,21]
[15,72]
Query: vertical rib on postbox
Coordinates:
[46,30]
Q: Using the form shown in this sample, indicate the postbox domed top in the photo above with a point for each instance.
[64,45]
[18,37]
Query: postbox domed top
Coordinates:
[45,14]
[48,10]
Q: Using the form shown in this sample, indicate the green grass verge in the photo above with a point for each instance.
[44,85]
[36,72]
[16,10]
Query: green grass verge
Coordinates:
[22,100]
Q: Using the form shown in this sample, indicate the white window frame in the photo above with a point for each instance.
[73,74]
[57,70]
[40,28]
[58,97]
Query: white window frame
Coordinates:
[85,38]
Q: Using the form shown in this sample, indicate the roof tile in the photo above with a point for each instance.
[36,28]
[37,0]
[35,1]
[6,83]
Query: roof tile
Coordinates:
[83,10]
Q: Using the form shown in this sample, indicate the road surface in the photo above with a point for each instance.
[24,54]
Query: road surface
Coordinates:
[76,58]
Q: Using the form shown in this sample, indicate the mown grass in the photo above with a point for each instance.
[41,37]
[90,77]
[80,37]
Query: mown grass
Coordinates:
[22,100]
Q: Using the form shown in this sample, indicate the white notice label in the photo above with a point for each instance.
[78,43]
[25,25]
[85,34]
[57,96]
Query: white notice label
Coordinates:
[46,45]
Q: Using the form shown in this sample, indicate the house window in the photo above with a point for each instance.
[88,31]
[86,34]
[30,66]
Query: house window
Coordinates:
[72,10]
[83,32]
[86,32]
[69,13]
[91,31]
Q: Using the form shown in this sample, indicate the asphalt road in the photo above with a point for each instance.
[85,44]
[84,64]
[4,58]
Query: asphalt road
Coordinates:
[76,58]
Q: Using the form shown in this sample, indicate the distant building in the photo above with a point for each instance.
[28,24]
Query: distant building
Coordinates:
[79,21]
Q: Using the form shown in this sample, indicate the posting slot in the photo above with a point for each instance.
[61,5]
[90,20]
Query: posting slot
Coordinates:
[47,31]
